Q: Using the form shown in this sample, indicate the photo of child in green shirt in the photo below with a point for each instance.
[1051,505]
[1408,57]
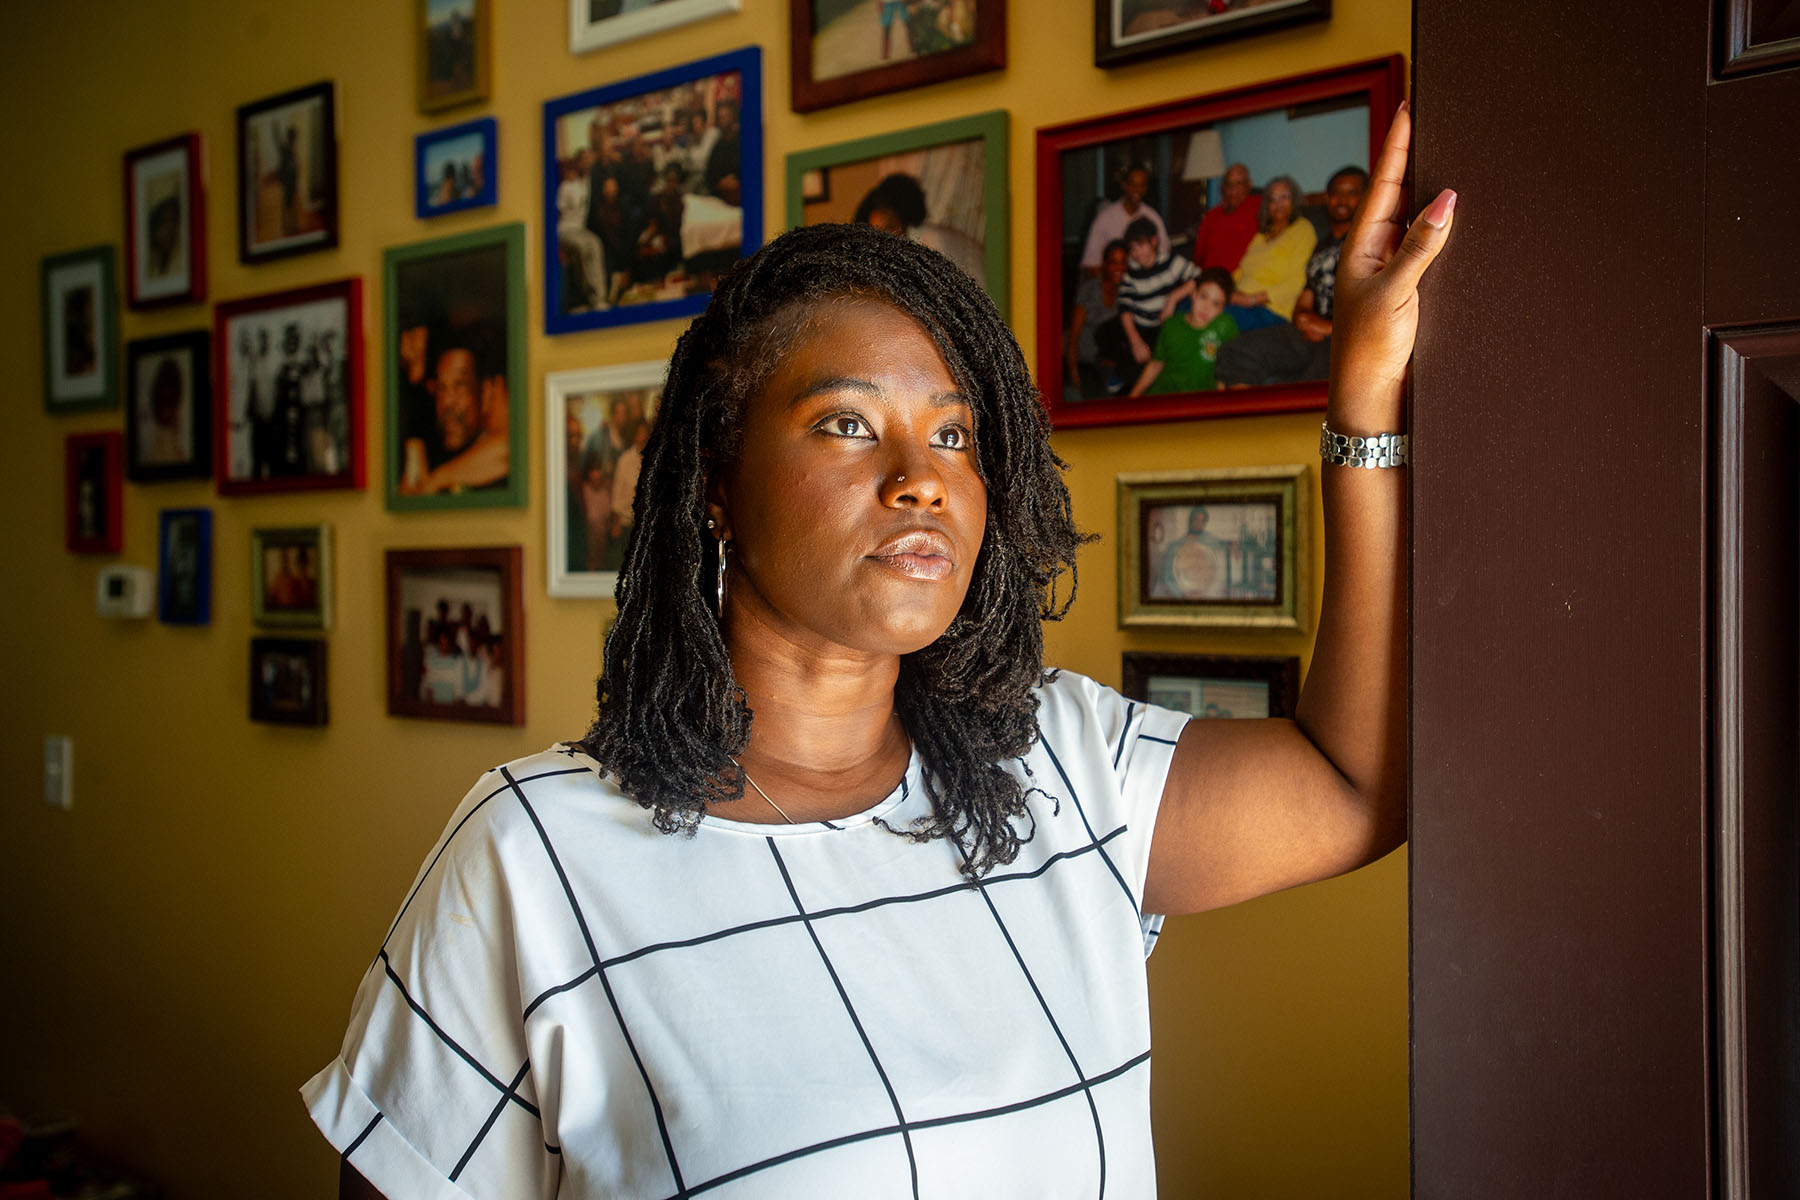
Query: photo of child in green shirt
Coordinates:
[1186,349]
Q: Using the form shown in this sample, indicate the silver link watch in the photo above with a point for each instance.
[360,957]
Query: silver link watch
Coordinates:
[1377,450]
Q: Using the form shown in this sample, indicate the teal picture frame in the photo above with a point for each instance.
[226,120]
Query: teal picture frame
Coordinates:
[989,128]
[453,311]
[79,304]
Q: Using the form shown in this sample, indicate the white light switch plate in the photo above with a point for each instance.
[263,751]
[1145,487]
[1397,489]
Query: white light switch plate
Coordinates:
[59,749]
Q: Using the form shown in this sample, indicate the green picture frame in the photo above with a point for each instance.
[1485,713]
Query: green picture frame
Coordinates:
[842,197]
[453,330]
[79,302]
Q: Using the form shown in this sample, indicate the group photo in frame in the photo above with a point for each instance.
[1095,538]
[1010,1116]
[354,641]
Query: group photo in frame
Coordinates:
[844,50]
[94,492]
[287,681]
[1214,685]
[288,390]
[1131,30]
[453,333]
[456,168]
[168,407]
[1187,253]
[184,556]
[80,311]
[596,423]
[455,634]
[597,23]
[1224,547]
[291,576]
[455,39]
[287,173]
[942,185]
[654,186]
[165,223]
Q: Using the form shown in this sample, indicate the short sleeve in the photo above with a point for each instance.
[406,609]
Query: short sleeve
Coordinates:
[434,1093]
[1112,754]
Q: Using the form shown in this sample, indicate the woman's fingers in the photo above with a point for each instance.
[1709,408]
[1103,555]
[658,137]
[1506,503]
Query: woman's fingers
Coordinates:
[1421,244]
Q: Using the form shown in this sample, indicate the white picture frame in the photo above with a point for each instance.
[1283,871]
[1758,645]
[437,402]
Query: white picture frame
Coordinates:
[588,32]
[593,397]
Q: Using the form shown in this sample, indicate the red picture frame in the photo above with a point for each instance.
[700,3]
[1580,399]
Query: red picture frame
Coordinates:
[1377,84]
[985,51]
[165,223]
[288,391]
[94,492]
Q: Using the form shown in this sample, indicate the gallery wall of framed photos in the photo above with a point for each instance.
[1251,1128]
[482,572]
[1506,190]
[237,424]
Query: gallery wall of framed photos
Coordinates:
[316,158]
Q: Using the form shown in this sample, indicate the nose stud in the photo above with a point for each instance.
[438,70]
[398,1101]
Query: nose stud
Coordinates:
[900,479]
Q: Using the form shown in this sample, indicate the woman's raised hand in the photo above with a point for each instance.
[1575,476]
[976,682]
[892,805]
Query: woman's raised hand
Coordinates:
[1375,305]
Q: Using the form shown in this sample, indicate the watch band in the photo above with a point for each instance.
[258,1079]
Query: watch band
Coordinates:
[1377,450]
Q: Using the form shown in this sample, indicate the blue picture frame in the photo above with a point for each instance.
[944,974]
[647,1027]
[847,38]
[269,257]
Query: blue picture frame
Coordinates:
[449,146]
[190,605]
[701,248]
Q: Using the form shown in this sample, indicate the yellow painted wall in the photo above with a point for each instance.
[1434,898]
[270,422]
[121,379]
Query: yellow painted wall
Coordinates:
[179,951]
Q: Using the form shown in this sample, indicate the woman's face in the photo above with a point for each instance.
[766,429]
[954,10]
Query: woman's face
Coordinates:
[855,510]
[1281,203]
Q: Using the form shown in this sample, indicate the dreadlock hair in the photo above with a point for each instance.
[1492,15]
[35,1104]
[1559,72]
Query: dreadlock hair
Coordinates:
[671,717]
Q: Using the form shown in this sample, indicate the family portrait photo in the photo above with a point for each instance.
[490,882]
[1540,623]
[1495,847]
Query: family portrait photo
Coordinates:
[168,415]
[1196,258]
[287,183]
[455,353]
[454,633]
[290,576]
[455,168]
[1128,30]
[289,404]
[453,53]
[942,185]
[597,423]
[654,188]
[165,228]
[287,681]
[80,316]
[184,566]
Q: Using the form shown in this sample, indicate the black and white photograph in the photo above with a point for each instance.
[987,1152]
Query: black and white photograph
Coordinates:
[654,188]
[289,390]
[597,423]
[168,415]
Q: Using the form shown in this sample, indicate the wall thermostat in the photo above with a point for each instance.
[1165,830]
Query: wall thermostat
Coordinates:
[125,592]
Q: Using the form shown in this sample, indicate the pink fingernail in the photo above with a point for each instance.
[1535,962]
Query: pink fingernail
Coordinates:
[1404,107]
[1438,215]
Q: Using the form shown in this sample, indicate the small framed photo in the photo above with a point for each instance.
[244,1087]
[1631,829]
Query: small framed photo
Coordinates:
[596,23]
[165,223]
[846,50]
[287,681]
[184,566]
[654,187]
[288,394]
[455,634]
[456,168]
[943,185]
[168,415]
[93,498]
[596,424]
[290,576]
[81,329]
[455,338]
[287,174]
[1232,208]
[454,40]
[1214,685]
[1129,30]
[1225,548]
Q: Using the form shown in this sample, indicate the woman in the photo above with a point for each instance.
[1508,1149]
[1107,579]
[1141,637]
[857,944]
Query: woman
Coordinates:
[1273,269]
[1086,371]
[899,951]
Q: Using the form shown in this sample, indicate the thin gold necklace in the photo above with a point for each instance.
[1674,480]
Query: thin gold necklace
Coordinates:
[765,795]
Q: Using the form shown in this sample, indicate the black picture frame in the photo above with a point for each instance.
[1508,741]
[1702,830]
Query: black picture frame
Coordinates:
[288,684]
[1280,675]
[1191,24]
[168,407]
[305,174]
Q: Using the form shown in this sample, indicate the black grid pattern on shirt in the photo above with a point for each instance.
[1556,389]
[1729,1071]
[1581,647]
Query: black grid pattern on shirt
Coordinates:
[508,1093]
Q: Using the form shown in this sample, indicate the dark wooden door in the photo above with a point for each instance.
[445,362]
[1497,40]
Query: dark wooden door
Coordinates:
[1605,893]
